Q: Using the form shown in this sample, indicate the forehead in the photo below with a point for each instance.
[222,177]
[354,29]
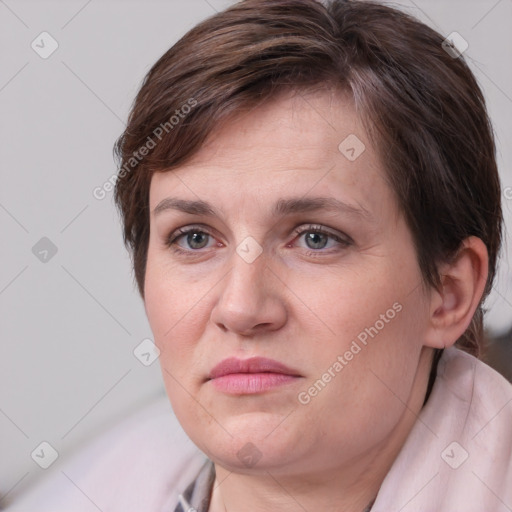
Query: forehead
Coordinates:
[297,144]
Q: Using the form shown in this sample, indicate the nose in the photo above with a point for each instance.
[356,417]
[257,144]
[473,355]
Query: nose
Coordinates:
[250,299]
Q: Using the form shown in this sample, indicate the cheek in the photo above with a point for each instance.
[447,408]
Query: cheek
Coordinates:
[170,306]
[168,295]
[171,311]
[346,304]
[374,320]
[372,381]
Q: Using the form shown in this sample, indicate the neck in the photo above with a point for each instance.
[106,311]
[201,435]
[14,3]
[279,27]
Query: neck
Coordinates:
[350,488]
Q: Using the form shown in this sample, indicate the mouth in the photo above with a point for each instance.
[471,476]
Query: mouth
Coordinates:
[250,376]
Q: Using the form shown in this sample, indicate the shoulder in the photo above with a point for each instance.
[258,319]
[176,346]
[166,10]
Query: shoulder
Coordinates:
[483,397]
[139,464]
[458,455]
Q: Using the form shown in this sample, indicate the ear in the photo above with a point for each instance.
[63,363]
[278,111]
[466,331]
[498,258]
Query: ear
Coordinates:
[453,305]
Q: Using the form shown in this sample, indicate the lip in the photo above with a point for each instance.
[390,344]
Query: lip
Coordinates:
[253,365]
[250,376]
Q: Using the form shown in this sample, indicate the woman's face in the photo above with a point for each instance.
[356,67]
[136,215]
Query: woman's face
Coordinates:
[282,240]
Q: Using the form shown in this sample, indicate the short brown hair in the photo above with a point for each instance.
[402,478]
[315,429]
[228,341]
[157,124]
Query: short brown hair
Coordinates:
[421,106]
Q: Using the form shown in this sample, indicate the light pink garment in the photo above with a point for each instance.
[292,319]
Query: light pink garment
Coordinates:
[468,414]
[458,457]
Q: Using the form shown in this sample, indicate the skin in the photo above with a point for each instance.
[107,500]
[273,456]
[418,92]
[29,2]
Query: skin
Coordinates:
[299,304]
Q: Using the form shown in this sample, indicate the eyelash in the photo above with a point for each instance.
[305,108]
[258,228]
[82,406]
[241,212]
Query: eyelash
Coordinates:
[312,228]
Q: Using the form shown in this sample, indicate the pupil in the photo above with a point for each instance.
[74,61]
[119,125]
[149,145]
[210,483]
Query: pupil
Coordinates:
[316,240]
[196,239]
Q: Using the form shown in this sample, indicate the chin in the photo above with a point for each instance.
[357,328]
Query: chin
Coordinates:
[249,441]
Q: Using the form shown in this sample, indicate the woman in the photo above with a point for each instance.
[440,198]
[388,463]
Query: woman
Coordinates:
[311,198]
[318,222]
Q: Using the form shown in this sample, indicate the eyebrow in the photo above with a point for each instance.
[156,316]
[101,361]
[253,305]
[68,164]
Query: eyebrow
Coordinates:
[281,208]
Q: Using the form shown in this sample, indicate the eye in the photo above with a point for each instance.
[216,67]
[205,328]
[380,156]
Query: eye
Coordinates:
[317,238]
[190,239]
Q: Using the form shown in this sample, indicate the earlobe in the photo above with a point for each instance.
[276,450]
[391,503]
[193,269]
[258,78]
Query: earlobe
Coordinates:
[453,305]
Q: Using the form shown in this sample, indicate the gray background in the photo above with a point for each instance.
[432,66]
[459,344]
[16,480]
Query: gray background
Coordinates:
[69,324]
